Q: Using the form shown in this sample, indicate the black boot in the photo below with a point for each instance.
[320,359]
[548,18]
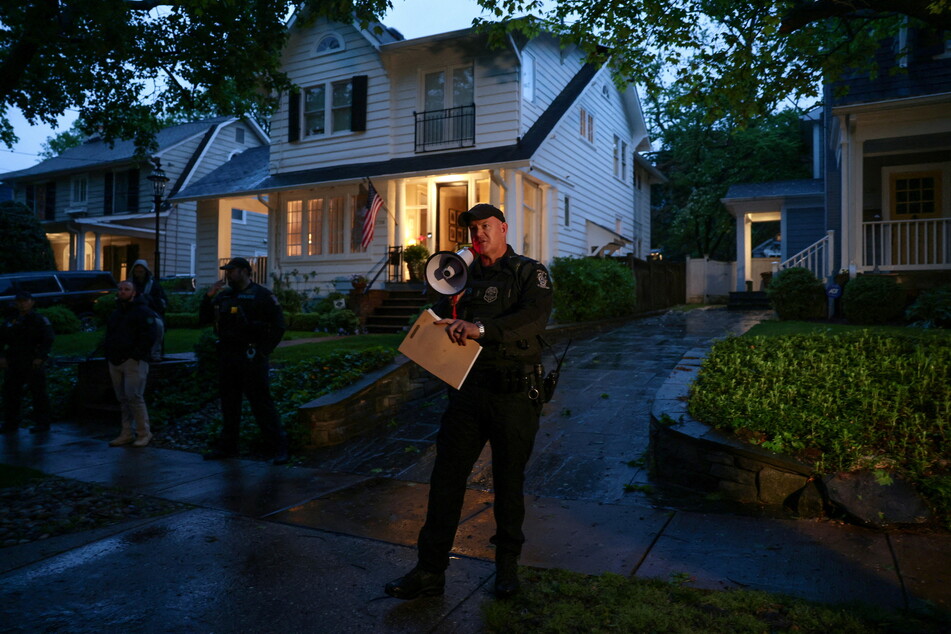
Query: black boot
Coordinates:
[418,583]
[506,575]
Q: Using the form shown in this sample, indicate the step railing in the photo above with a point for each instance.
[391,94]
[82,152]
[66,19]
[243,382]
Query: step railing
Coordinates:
[818,258]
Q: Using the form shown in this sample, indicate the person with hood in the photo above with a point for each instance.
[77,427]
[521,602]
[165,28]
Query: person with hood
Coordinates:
[149,288]
[25,343]
[130,333]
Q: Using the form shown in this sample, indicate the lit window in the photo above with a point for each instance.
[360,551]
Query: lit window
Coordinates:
[335,226]
[294,213]
[315,226]
[587,125]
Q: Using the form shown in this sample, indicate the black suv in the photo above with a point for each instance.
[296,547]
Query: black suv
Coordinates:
[75,290]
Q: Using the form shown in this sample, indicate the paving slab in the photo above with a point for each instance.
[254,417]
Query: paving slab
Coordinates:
[819,561]
[379,508]
[206,571]
[924,561]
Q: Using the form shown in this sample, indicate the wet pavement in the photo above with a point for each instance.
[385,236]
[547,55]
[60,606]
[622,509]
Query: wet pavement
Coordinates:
[270,549]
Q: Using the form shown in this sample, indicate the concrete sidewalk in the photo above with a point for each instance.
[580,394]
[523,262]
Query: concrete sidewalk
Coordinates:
[298,549]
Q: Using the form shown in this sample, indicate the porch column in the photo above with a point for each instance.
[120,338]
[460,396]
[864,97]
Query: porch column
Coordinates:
[851,194]
[80,251]
[513,208]
[97,256]
[744,263]
[548,216]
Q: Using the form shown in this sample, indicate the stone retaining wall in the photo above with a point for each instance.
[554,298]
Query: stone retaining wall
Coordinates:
[370,402]
[688,453]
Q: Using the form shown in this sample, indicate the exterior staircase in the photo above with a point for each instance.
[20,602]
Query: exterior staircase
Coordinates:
[748,300]
[396,311]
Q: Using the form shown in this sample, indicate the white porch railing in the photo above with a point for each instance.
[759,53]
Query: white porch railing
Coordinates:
[906,245]
[818,257]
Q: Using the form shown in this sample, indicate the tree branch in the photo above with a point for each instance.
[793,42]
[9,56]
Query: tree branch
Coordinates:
[805,13]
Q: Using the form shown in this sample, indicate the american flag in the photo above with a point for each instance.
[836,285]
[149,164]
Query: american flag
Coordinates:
[374,202]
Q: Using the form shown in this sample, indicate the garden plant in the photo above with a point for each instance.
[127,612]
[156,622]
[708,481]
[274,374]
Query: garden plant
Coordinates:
[858,400]
[592,288]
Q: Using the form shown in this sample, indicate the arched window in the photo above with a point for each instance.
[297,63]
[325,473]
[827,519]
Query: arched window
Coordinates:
[330,44]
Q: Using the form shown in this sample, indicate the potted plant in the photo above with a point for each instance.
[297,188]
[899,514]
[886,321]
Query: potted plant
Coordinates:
[358,282]
[415,257]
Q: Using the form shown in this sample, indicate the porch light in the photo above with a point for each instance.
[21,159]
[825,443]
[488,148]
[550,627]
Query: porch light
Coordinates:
[159,181]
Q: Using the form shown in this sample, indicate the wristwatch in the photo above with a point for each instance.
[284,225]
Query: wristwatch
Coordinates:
[481,328]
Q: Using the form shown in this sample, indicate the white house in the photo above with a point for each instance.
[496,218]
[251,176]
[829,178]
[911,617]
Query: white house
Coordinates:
[438,124]
[97,206]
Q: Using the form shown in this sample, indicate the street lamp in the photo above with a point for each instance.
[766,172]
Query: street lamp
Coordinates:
[159,181]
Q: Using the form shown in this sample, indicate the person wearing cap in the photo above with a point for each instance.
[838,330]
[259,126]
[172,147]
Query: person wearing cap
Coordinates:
[25,343]
[131,331]
[249,323]
[504,308]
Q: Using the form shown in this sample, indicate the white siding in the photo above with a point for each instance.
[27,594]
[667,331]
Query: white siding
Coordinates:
[587,169]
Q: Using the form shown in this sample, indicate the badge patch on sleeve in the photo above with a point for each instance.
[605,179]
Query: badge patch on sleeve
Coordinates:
[542,279]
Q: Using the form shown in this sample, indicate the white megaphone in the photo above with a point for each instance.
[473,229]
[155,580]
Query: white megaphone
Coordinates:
[447,272]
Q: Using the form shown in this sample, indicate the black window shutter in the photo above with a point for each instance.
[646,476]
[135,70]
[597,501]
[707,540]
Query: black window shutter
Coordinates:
[293,116]
[358,107]
[107,195]
[31,197]
[132,194]
[50,212]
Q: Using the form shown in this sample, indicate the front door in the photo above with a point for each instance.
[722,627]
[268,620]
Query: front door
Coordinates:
[452,200]
[915,203]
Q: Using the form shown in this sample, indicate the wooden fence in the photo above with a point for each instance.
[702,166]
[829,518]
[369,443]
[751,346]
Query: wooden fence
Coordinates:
[659,284]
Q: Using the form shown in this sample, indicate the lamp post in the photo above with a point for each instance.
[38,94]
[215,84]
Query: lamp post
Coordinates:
[159,180]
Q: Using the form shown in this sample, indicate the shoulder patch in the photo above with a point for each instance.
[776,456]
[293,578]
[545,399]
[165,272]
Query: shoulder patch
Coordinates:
[542,276]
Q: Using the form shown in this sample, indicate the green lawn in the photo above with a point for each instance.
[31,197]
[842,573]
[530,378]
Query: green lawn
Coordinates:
[184,339]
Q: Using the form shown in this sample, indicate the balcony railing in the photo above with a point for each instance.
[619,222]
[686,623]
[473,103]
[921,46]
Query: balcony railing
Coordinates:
[817,257]
[906,245]
[445,129]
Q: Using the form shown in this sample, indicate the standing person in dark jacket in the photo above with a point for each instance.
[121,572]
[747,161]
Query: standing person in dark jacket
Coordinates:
[130,334]
[149,289]
[504,308]
[25,345]
[249,323]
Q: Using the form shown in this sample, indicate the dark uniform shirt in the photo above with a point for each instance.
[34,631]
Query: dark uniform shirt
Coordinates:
[513,301]
[252,317]
[26,337]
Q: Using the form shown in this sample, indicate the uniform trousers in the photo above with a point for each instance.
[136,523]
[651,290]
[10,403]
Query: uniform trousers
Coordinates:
[475,414]
[240,377]
[18,374]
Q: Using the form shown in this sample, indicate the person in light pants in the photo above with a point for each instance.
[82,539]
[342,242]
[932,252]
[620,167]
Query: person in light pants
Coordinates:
[130,334]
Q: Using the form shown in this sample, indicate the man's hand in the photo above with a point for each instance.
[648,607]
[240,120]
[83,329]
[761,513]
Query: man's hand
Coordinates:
[459,330]
[217,286]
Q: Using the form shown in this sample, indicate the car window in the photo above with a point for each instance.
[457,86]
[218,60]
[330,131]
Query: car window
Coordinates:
[45,284]
[97,282]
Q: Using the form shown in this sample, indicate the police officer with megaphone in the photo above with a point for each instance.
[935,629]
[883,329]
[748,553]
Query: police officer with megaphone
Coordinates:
[504,307]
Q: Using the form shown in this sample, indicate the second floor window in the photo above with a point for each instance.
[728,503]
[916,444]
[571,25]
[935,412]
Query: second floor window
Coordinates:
[620,158]
[448,116]
[77,189]
[121,192]
[587,125]
[328,108]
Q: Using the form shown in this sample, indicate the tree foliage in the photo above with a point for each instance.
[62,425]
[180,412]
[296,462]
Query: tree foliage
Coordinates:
[128,65]
[739,58]
[23,243]
[701,160]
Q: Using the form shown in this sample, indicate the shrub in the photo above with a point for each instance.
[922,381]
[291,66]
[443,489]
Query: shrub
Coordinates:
[333,301]
[104,306]
[63,320]
[797,294]
[181,320]
[592,288]
[308,322]
[291,300]
[344,322]
[932,309]
[873,299]
[184,302]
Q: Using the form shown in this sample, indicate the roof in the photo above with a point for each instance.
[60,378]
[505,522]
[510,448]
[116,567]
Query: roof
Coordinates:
[97,152]
[232,180]
[776,189]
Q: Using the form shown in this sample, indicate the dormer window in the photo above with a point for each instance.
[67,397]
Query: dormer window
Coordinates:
[330,44]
